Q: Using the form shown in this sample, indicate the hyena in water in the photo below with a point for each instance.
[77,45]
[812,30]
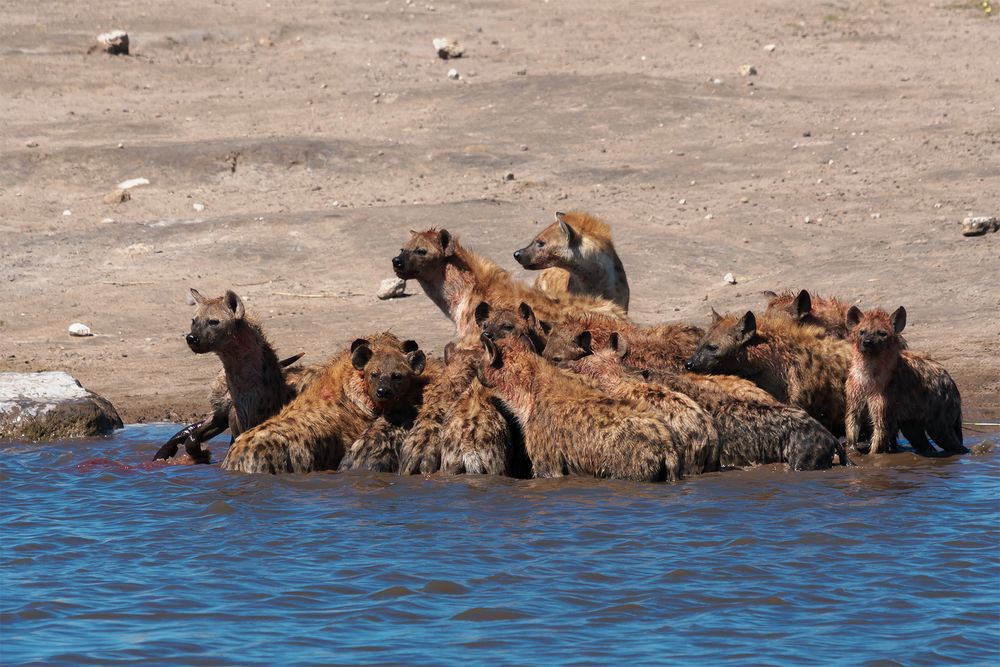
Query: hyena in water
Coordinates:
[315,429]
[576,256]
[394,382]
[572,428]
[901,390]
[752,426]
[252,386]
[796,364]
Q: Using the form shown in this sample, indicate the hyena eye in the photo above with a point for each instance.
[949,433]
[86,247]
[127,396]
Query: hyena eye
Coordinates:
[374,374]
[712,348]
[213,323]
[882,334]
[540,243]
[863,332]
[421,251]
[397,376]
[557,360]
[507,328]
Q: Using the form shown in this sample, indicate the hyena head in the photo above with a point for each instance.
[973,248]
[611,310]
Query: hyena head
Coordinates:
[497,323]
[552,247]
[390,374]
[424,255]
[606,363]
[214,321]
[723,349]
[563,345]
[796,307]
[876,331]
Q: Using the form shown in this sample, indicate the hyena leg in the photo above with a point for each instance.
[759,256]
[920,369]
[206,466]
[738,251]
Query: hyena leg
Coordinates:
[914,432]
[883,426]
[947,439]
[853,423]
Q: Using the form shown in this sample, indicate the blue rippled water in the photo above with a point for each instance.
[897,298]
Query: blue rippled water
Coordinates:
[108,560]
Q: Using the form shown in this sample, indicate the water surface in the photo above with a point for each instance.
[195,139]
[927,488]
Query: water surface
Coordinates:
[106,559]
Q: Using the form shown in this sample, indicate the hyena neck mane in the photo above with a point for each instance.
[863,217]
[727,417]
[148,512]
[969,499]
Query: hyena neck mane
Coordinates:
[876,370]
[248,357]
[462,273]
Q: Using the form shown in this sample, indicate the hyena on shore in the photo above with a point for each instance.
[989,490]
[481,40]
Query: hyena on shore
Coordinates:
[899,389]
[315,429]
[572,428]
[456,279]
[576,256]
[796,364]
[462,427]
[752,426]
[252,386]
[394,381]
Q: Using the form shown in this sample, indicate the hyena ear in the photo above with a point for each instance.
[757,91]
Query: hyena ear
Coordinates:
[567,231]
[449,351]
[584,340]
[361,356]
[802,305]
[492,351]
[899,319]
[196,295]
[235,304]
[482,312]
[546,327]
[417,361]
[646,374]
[447,243]
[853,317]
[746,328]
[560,216]
[618,344]
[358,342]
[410,346]
[528,315]
[715,316]
[769,295]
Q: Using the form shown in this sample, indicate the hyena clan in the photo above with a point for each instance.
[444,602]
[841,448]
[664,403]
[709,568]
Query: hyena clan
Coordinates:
[315,429]
[753,427]
[394,382]
[572,428]
[576,256]
[899,389]
[252,385]
[796,364]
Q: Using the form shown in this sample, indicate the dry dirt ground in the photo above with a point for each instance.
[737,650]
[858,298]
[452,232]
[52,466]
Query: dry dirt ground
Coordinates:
[317,133]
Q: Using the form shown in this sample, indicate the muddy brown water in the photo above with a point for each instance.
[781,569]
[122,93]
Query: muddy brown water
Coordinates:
[108,559]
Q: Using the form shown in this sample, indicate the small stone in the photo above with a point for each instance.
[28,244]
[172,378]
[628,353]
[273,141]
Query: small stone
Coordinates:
[117,197]
[453,74]
[807,133]
[748,70]
[744,200]
[979,225]
[198,207]
[132,183]
[521,72]
[67,212]
[31,144]
[509,176]
[79,329]
[876,216]
[114,42]
[391,288]
[807,220]
[524,147]
[770,48]
[121,145]
[717,82]
[448,48]
[729,278]
[266,42]
[708,216]
[682,201]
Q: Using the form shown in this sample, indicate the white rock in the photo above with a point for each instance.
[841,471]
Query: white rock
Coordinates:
[198,207]
[51,406]
[729,278]
[770,48]
[114,42]
[390,288]
[67,212]
[748,70]
[453,74]
[79,329]
[132,183]
[682,201]
[448,48]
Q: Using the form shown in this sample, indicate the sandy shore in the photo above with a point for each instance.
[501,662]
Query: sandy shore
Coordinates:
[315,136]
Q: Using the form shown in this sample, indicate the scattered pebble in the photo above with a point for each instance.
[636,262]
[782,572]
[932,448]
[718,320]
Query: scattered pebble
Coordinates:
[708,216]
[807,133]
[391,288]
[448,48]
[807,220]
[748,70]
[876,216]
[31,144]
[266,42]
[770,48]
[198,207]
[79,329]
[521,72]
[729,278]
[114,42]
[979,225]
[682,201]
[509,176]
[744,200]
[117,197]
[132,183]
[453,74]
[67,212]
[717,82]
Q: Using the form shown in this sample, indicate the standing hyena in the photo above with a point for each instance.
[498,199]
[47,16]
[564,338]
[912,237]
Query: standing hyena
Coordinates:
[253,386]
[577,257]
[899,389]
[753,427]
[796,364]
[394,382]
[572,428]
[315,429]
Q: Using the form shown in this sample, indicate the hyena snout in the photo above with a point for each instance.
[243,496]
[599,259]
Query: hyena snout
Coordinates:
[383,392]
[525,257]
[195,343]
